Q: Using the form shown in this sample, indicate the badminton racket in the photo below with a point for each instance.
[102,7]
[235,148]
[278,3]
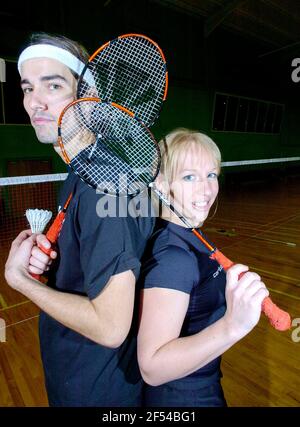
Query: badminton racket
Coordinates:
[108,147]
[103,142]
[130,71]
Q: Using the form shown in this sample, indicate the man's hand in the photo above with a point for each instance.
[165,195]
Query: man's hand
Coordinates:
[17,262]
[39,262]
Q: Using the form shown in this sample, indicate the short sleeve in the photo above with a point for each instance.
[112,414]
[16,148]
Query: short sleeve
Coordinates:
[172,268]
[108,246]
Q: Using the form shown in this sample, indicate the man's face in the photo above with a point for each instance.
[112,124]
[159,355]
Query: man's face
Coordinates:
[48,86]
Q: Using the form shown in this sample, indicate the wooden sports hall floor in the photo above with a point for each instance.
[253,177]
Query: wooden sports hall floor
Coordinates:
[256,224]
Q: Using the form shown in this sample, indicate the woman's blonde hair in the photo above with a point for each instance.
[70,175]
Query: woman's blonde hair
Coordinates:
[177,142]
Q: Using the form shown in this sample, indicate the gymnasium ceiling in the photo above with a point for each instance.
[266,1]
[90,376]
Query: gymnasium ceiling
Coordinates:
[273,22]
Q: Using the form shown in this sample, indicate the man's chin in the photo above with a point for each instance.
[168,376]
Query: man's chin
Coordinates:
[46,139]
[45,134]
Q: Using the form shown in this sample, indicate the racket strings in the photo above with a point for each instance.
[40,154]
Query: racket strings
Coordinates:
[108,148]
[130,71]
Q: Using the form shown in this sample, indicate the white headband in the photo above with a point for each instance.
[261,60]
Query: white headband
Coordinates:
[61,55]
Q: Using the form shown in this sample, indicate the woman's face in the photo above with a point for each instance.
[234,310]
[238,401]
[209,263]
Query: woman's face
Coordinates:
[194,185]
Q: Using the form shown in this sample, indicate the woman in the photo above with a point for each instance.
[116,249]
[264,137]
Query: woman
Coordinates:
[191,312]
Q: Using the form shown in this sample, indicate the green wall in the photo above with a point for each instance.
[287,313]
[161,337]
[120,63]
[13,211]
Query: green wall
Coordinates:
[193,108]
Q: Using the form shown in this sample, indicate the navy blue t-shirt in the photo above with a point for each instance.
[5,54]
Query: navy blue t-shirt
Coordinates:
[176,259]
[78,371]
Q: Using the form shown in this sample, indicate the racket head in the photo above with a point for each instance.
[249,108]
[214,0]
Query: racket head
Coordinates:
[130,71]
[107,147]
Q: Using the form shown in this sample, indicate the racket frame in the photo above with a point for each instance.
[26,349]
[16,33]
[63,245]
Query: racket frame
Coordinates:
[107,44]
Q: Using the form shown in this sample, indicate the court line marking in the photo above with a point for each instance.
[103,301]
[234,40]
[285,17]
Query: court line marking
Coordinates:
[276,275]
[15,305]
[241,223]
[264,228]
[234,233]
[284,293]
[22,321]
[2,302]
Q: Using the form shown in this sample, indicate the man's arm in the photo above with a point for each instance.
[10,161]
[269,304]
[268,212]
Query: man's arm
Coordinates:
[105,320]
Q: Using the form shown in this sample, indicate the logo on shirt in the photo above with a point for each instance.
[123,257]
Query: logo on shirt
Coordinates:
[217,272]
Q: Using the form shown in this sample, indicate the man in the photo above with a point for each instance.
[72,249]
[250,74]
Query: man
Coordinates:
[87,341]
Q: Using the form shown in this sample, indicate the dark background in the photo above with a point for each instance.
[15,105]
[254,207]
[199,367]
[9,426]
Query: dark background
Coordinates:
[238,48]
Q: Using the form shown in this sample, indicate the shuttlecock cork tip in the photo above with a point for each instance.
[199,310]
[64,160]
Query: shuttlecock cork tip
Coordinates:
[38,219]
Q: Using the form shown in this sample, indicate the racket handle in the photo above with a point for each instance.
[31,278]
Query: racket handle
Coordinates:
[53,232]
[279,319]
[52,235]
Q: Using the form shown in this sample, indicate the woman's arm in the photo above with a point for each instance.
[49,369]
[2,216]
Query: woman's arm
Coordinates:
[164,357]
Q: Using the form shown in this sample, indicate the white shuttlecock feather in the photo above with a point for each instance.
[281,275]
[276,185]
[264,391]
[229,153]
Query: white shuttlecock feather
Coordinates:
[38,219]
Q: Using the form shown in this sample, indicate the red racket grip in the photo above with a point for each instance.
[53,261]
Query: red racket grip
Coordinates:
[52,235]
[279,319]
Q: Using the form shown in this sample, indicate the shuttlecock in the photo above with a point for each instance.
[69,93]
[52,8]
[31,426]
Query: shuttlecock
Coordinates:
[38,219]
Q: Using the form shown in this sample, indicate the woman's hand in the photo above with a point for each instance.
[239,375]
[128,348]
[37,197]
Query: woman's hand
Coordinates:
[245,293]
